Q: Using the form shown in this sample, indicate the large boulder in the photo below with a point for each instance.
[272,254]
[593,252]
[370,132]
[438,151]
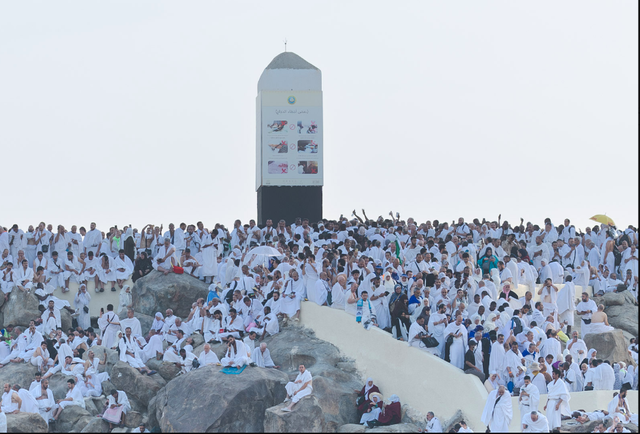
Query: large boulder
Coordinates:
[138,387]
[610,346]
[73,418]
[166,370]
[621,310]
[66,322]
[305,417]
[334,378]
[156,293]
[132,419]
[206,400]
[18,373]
[400,427]
[145,322]
[26,422]
[21,308]
[96,425]
[58,384]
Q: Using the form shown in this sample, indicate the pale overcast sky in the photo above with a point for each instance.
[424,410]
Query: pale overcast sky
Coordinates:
[144,111]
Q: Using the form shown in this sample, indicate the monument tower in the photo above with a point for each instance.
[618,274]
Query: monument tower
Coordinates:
[289,140]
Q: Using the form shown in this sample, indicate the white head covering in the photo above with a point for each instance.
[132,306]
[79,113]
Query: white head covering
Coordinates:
[394,398]
[158,323]
[367,388]
[127,234]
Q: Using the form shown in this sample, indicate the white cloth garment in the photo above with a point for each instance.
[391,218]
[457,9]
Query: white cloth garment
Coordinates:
[556,391]
[262,359]
[498,411]
[293,387]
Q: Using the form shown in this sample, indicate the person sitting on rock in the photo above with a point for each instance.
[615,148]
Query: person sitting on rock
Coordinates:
[130,353]
[208,357]
[186,361]
[261,357]
[117,406]
[374,409]
[236,355]
[45,400]
[70,366]
[74,397]
[390,415]
[298,389]
[11,401]
[363,400]
[599,321]
[232,325]
[433,424]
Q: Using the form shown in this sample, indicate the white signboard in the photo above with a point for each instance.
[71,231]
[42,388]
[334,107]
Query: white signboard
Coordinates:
[290,144]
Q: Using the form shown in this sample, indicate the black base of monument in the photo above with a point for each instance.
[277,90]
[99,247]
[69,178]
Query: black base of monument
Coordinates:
[288,203]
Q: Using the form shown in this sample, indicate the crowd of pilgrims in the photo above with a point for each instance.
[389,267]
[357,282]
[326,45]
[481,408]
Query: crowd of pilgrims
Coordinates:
[447,289]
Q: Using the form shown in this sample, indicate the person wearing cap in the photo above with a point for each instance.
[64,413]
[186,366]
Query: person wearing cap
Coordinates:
[165,259]
[537,378]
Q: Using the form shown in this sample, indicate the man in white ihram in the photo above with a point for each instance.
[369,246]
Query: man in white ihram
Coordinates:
[498,412]
[262,357]
[236,355]
[46,402]
[298,389]
[529,398]
[208,357]
[557,401]
[433,424]
[74,397]
[535,422]
[130,353]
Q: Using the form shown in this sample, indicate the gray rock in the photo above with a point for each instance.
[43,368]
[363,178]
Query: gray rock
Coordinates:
[610,346]
[332,386]
[18,373]
[137,386]
[145,322]
[107,388]
[90,406]
[26,422]
[401,427]
[132,419]
[616,299]
[156,292]
[574,426]
[306,416]
[620,310]
[58,385]
[65,320]
[117,430]
[336,400]
[168,371]
[411,415]
[73,418]
[20,308]
[351,428]
[100,402]
[347,367]
[206,400]
[96,425]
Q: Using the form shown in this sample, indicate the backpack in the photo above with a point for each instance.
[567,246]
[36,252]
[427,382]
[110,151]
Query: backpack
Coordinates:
[195,363]
[516,326]
[618,257]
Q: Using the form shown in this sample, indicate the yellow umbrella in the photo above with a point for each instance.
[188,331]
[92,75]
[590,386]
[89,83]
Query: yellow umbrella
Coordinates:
[601,218]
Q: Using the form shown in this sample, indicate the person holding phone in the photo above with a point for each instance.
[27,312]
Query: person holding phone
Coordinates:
[380,302]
